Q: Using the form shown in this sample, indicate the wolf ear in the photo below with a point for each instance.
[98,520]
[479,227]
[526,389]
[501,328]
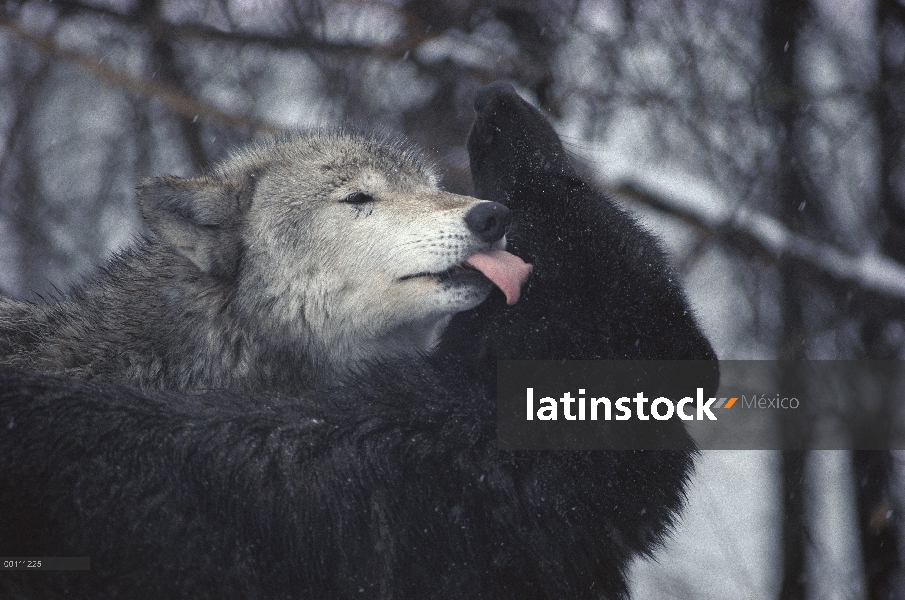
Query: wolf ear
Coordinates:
[199,218]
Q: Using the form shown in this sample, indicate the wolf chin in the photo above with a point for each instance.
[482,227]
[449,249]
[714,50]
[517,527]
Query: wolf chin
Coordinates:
[289,266]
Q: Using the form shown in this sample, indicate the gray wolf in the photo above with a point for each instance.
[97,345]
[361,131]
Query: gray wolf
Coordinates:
[390,484]
[289,266]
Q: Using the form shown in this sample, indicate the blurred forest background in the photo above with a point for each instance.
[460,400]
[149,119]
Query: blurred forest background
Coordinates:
[764,140]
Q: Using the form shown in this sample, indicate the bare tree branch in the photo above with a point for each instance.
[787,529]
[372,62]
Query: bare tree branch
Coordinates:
[176,101]
[298,40]
[741,226]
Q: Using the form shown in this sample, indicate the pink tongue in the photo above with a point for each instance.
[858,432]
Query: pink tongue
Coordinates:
[507,271]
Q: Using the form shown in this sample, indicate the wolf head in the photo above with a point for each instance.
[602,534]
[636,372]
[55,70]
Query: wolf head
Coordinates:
[334,247]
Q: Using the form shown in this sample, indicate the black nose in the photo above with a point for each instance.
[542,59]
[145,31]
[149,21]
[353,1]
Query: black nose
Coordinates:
[488,220]
[486,93]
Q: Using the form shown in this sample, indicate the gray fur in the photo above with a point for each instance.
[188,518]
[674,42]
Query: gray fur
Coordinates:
[262,275]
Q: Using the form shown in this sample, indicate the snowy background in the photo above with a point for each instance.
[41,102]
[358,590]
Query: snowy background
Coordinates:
[763,140]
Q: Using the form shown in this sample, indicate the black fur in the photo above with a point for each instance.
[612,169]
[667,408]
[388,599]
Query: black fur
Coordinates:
[390,487]
[606,289]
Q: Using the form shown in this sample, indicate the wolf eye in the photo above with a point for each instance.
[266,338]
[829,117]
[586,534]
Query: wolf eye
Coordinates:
[358,198]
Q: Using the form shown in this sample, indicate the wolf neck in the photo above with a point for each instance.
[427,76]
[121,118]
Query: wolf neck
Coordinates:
[180,330]
[343,353]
